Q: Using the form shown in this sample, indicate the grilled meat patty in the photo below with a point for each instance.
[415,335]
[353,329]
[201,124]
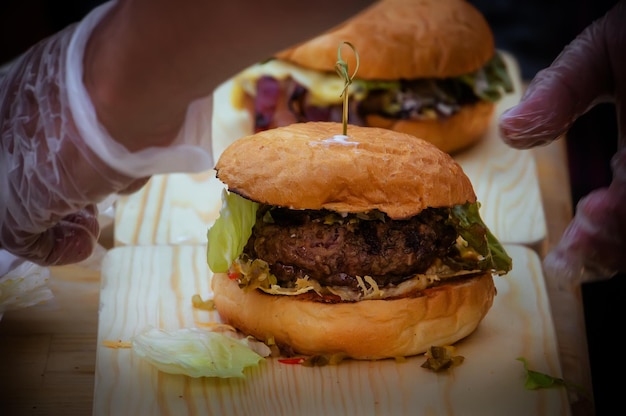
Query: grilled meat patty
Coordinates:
[333,249]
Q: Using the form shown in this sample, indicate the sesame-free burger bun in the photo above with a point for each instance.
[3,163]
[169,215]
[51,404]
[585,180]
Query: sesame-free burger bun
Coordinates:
[404,39]
[369,329]
[372,168]
[313,166]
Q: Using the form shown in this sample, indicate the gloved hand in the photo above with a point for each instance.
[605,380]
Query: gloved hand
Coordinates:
[149,69]
[57,161]
[590,70]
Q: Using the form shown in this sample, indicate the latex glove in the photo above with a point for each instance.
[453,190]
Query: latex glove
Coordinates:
[590,70]
[57,161]
[149,69]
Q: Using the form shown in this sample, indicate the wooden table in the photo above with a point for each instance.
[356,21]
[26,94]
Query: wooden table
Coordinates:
[47,353]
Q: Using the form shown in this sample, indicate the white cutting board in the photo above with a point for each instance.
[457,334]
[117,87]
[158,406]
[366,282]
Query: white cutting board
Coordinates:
[153,286]
[178,208]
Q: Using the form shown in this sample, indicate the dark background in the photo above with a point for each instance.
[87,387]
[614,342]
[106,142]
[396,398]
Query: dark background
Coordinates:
[534,32]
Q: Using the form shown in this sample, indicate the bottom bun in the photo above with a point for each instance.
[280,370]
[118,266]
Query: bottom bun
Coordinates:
[452,134]
[369,329]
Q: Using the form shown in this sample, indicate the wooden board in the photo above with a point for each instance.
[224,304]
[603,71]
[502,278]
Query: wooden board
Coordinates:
[153,286]
[175,209]
[171,209]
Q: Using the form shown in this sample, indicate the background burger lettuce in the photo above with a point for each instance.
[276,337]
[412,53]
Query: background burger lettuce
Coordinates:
[403,99]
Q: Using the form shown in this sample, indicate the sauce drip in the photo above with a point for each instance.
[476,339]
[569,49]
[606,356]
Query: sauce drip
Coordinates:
[339,139]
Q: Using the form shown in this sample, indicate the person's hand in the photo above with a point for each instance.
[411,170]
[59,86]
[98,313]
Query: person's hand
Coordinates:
[51,178]
[590,70]
[100,107]
[57,162]
[174,52]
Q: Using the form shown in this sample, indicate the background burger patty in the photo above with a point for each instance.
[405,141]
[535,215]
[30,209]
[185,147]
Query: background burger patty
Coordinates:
[300,243]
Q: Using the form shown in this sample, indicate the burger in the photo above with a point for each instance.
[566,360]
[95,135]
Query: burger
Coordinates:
[426,67]
[366,245]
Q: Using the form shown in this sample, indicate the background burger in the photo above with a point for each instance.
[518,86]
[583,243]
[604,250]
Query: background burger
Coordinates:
[427,67]
[368,245]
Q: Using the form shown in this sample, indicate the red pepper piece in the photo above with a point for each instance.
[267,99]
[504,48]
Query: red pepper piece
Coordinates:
[297,360]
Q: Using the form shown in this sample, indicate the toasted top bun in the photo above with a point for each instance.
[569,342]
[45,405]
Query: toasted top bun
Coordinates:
[313,166]
[369,329]
[404,39]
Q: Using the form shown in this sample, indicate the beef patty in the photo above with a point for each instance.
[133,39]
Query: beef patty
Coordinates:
[333,249]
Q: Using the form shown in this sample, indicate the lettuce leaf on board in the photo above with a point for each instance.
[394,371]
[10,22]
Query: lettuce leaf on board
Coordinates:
[195,353]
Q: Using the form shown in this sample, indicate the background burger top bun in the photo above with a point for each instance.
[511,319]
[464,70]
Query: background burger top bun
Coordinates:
[407,39]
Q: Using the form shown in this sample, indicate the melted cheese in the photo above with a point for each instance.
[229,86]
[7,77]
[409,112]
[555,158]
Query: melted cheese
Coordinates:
[325,87]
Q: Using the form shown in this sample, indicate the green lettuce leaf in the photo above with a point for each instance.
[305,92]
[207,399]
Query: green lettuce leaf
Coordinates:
[466,218]
[490,82]
[195,353]
[536,380]
[230,231]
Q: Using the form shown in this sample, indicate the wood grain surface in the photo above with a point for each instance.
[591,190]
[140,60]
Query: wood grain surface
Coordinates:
[48,353]
[153,286]
[171,209]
